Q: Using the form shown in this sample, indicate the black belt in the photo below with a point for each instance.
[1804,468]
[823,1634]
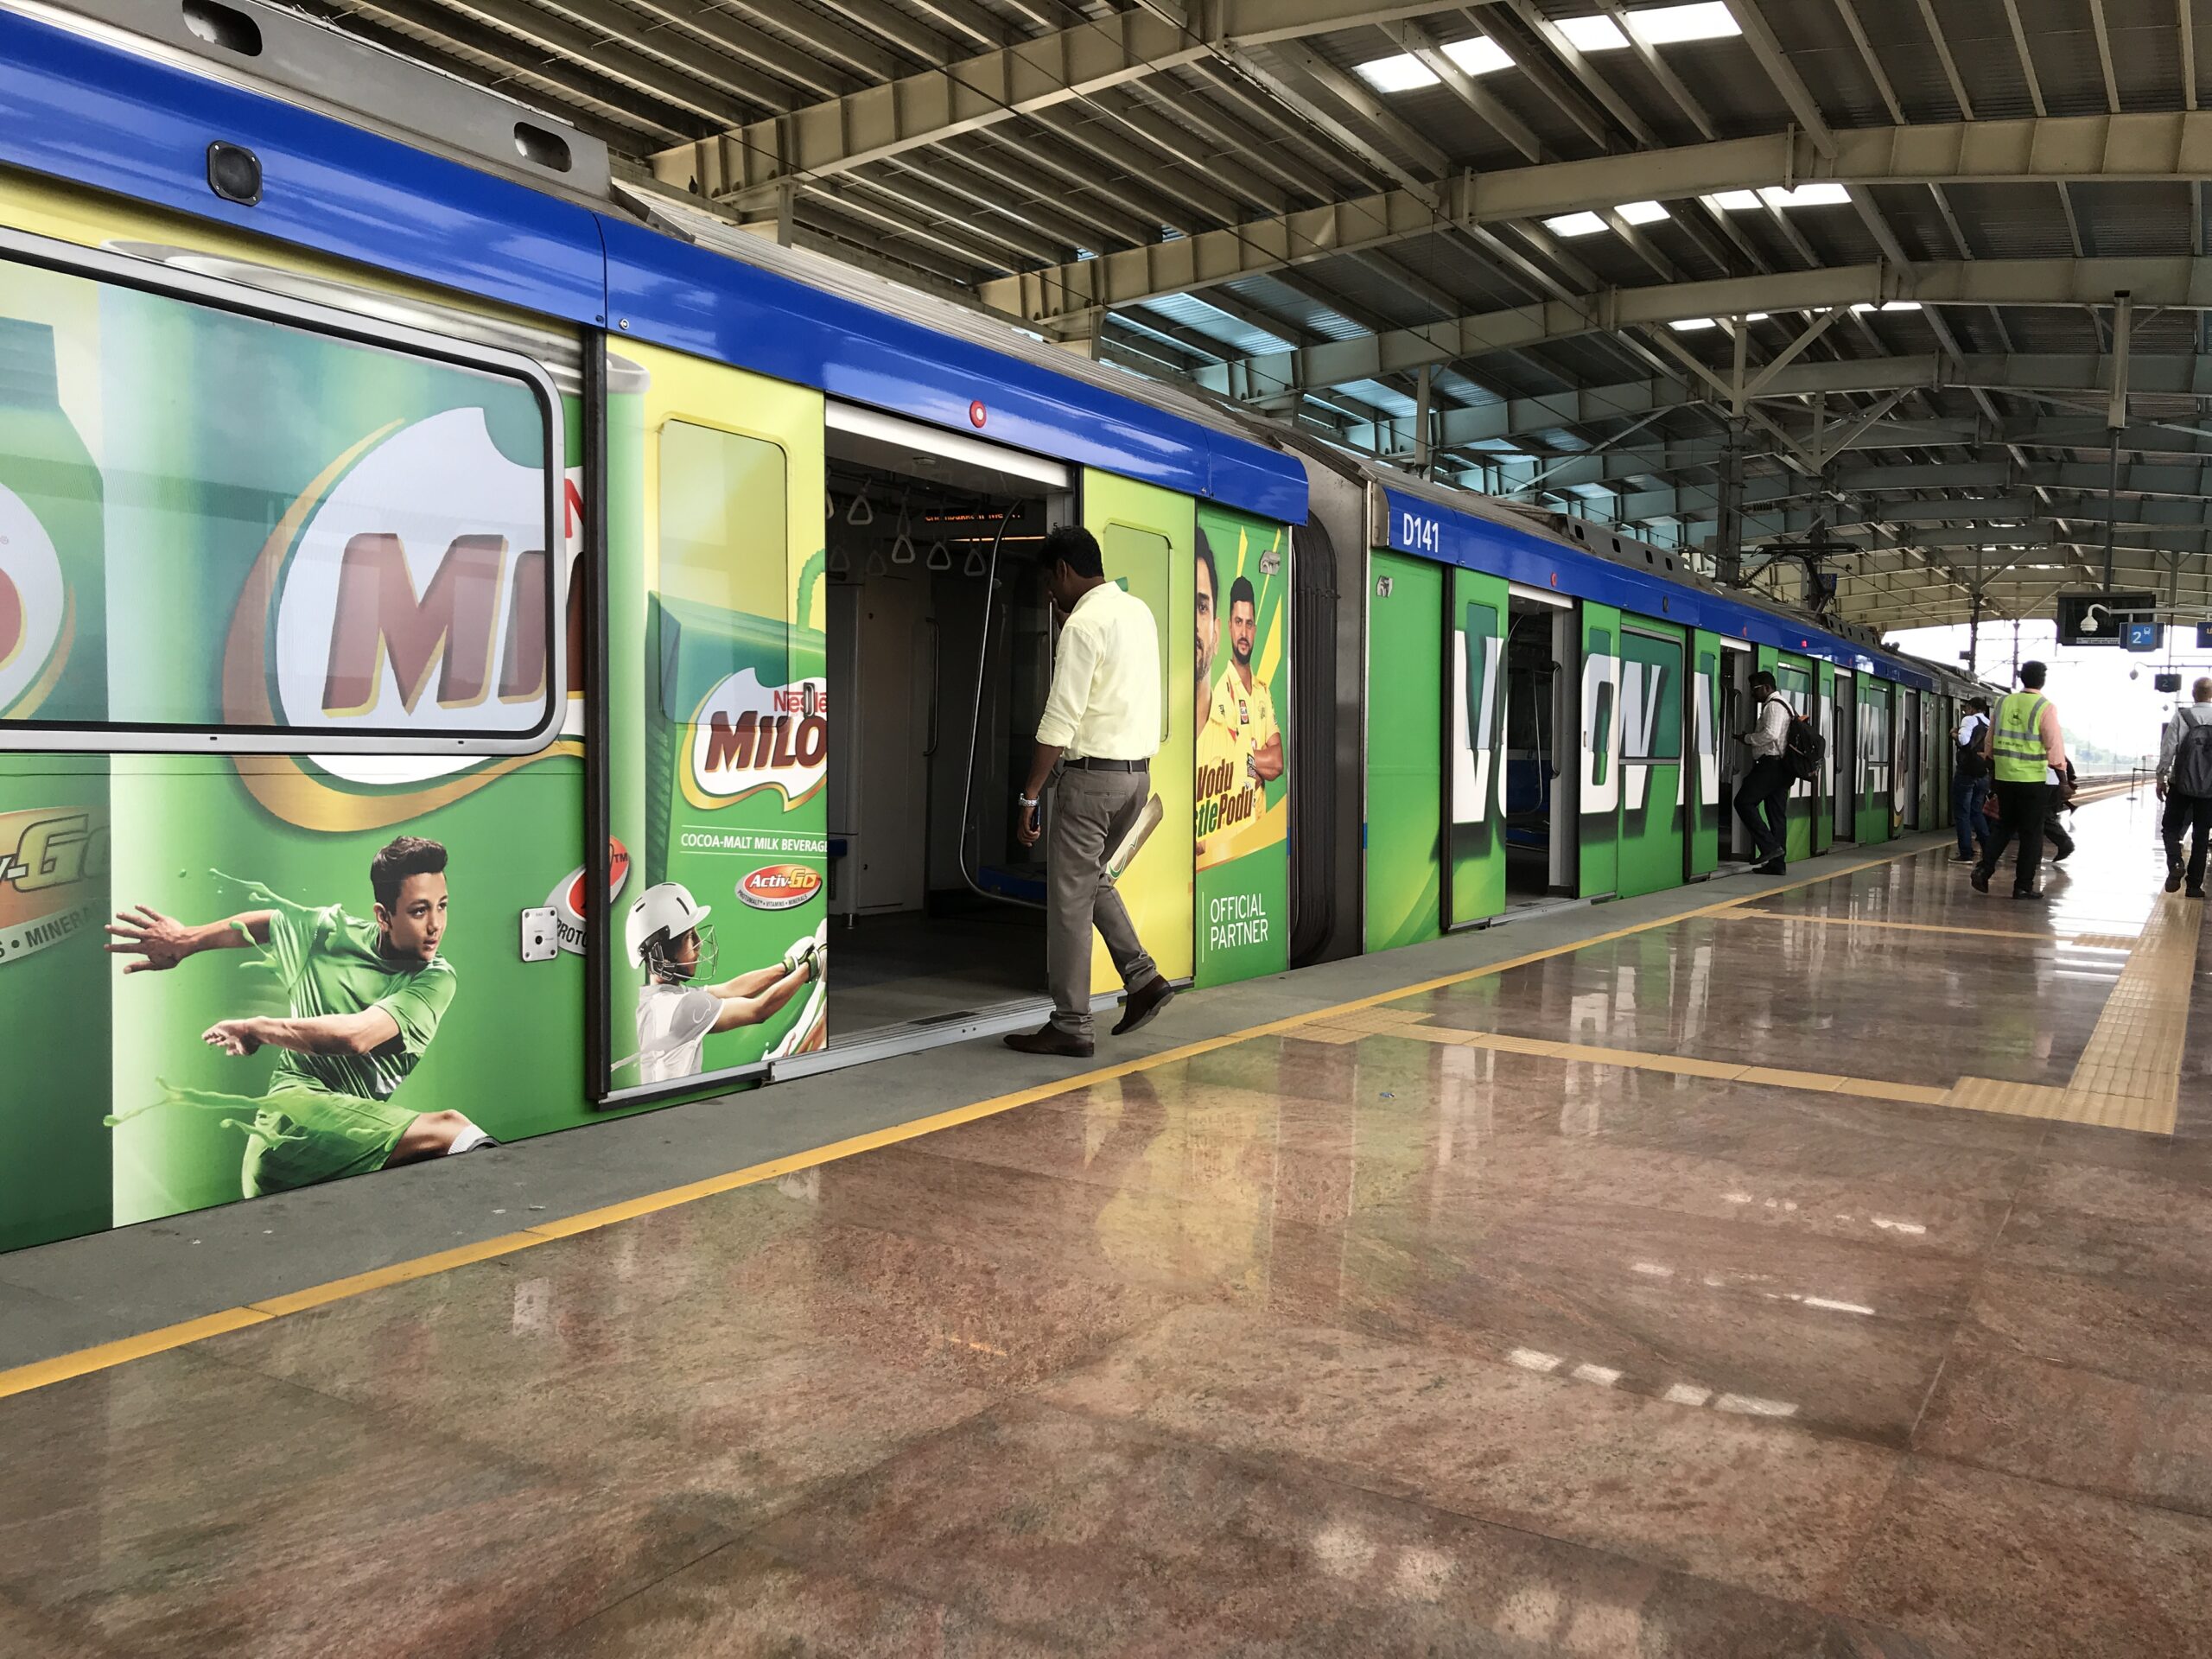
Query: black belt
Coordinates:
[1088,765]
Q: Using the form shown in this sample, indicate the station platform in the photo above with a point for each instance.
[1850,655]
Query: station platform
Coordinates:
[1818,1266]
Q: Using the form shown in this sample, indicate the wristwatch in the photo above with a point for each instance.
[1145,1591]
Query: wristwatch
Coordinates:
[1022,799]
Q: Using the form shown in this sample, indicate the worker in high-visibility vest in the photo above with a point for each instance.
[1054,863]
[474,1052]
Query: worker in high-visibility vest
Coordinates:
[2027,753]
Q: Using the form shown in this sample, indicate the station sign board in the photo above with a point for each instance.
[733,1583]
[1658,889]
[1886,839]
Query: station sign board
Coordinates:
[2101,618]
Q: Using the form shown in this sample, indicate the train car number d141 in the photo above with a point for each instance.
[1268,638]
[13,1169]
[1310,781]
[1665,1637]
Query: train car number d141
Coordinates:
[1419,535]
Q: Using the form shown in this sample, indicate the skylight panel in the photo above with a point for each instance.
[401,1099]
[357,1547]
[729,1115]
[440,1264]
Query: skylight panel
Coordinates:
[1402,73]
[1737,201]
[1582,224]
[1692,325]
[1479,56]
[1664,25]
[1824,195]
[1641,213]
[1598,34]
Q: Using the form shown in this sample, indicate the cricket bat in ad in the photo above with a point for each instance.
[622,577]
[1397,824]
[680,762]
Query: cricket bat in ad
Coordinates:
[1133,843]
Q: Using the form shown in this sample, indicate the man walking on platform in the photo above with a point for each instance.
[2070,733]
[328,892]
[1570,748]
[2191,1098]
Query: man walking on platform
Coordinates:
[1099,730]
[1970,782]
[2185,786]
[1763,793]
[2027,752]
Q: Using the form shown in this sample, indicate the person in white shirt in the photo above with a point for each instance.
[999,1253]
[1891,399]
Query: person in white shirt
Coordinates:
[2184,771]
[1970,782]
[669,938]
[1099,730]
[1762,795]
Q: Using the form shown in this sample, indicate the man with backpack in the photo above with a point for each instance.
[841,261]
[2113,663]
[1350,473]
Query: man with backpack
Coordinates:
[1763,793]
[2185,786]
[1970,782]
[2027,752]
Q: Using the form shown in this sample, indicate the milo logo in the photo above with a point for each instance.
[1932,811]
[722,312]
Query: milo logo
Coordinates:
[47,856]
[415,594]
[747,737]
[33,608]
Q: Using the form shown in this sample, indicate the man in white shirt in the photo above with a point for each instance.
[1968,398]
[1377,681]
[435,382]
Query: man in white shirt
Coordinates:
[1763,794]
[1100,729]
[2184,772]
[1970,782]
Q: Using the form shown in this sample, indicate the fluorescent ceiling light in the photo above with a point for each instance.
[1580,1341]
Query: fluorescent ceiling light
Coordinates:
[1403,73]
[1691,325]
[1805,195]
[1479,56]
[1737,201]
[1575,225]
[1592,34]
[1888,305]
[1641,213]
[1664,25]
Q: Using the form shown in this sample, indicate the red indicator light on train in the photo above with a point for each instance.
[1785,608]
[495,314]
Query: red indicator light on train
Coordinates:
[977,413]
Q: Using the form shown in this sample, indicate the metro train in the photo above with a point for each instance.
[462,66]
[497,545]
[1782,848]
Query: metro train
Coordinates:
[493,638]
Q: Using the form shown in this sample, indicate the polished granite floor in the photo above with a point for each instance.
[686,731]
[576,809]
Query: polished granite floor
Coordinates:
[1332,1341]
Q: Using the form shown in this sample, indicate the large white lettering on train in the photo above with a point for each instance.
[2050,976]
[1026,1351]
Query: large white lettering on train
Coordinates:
[1601,733]
[1471,748]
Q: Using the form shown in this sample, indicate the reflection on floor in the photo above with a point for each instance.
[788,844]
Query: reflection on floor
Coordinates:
[1615,1326]
[891,970]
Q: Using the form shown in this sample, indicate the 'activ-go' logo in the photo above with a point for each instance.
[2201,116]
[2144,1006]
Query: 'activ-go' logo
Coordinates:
[779,887]
[33,606]
[47,856]
[747,737]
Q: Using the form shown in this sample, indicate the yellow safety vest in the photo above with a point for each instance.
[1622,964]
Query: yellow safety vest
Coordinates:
[2016,741]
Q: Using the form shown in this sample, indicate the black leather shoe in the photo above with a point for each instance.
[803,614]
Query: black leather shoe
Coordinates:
[1981,878]
[1141,1004]
[1050,1040]
[1772,867]
[2036,893]
[2173,878]
[2194,893]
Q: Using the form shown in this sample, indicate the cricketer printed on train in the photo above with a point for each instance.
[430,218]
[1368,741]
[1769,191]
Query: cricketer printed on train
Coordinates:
[1242,800]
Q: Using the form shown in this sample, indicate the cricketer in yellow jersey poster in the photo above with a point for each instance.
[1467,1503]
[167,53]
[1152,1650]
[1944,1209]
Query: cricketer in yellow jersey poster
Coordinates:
[1242,797]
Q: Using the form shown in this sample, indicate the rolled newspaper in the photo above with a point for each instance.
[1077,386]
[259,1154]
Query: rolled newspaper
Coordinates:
[1133,843]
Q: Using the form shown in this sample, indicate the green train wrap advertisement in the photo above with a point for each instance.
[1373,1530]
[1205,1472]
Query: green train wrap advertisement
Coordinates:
[1479,607]
[718,719]
[1598,799]
[1241,804]
[1703,794]
[311,962]
[1653,809]
[1405,746]
[1871,759]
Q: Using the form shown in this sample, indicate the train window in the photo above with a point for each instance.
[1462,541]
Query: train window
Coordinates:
[725,588]
[1139,559]
[266,526]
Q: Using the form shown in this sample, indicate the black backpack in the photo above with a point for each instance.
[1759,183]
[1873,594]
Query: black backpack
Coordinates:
[1804,751]
[2192,770]
[1972,764]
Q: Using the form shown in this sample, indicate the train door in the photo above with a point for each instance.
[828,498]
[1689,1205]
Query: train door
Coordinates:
[1736,663]
[1479,690]
[1404,741]
[1824,788]
[1874,761]
[1703,787]
[1904,767]
[1932,790]
[1793,679]
[1538,787]
[938,641]
[710,767]
[1654,808]
[1843,759]
[1597,799]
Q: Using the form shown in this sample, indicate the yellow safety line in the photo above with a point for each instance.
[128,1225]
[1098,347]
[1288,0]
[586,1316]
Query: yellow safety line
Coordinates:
[1916,927]
[101,1357]
[2129,1075]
